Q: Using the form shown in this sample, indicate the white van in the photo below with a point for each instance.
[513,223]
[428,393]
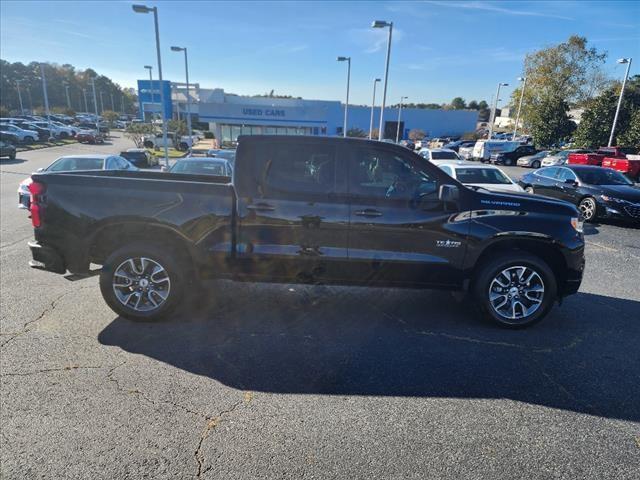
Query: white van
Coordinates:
[483,149]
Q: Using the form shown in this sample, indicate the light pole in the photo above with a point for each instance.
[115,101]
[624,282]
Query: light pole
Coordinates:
[373,105]
[86,105]
[383,24]
[624,82]
[399,114]
[113,108]
[186,72]
[145,9]
[150,68]
[66,91]
[524,85]
[492,119]
[46,97]
[346,105]
[95,105]
[122,104]
[19,97]
[101,104]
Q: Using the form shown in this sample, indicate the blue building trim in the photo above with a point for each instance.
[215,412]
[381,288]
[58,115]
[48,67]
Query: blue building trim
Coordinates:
[239,120]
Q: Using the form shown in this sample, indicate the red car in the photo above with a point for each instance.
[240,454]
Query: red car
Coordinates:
[88,136]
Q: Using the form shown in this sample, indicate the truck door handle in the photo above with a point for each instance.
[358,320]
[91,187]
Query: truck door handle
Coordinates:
[261,207]
[368,212]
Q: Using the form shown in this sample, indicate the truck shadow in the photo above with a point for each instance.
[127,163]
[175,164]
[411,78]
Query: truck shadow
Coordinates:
[355,341]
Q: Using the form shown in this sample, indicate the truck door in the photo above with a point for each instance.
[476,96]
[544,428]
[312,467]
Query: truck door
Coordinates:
[400,232]
[292,220]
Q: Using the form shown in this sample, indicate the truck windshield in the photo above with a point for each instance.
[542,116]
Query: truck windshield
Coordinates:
[444,155]
[482,176]
[602,176]
[199,167]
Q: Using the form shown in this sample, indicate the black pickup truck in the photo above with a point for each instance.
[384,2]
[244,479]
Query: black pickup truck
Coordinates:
[313,210]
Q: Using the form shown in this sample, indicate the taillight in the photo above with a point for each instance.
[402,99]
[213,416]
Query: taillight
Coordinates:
[37,190]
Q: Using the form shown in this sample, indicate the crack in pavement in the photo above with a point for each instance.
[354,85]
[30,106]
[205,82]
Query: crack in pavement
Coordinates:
[211,424]
[16,241]
[50,308]
[68,368]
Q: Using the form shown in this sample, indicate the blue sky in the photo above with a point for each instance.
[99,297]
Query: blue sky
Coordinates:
[440,49]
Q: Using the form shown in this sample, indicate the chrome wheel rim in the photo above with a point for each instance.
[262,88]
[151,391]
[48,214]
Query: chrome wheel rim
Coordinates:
[587,208]
[141,284]
[516,293]
[529,189]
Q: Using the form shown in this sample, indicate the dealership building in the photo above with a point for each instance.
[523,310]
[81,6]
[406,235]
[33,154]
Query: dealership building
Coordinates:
[229,115]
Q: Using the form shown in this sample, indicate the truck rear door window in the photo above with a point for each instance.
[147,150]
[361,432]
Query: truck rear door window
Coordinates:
[297,169]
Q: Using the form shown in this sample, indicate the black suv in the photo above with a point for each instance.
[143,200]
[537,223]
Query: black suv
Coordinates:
[510,158]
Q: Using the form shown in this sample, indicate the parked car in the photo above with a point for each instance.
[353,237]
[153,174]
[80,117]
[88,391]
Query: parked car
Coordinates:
[202,166]
[183,142]
[72,163]
[44,133]
[227,154]
[477,175]
[200,151]
[438,155]
[63,130]
[8,137]
[483,149]
[140,157]
[560,157]
[89,136]
[295,211]
[455,146]
[24,136]
[596,158]
[598,192]
[7,150]
[103,129]
[466,152]
[509,158]
[532,161]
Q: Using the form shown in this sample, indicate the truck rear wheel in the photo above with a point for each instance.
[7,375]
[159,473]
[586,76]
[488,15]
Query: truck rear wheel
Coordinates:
[515,289]
[142,282]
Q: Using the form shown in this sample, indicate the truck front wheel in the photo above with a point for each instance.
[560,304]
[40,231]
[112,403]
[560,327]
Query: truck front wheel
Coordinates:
[515,289]
[142,282]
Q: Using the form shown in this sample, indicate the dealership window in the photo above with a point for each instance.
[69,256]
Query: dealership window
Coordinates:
[230,133]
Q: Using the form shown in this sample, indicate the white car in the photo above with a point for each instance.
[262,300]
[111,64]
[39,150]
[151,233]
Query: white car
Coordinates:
[439,155]
[63,129]
[182,143]
[479,175]
[27,136]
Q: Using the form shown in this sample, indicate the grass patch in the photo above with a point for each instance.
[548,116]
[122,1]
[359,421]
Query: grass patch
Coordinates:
[40,146]
[173,153]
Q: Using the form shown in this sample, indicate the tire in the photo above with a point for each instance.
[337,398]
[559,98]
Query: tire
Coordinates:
[28,140]
[535,304]
[184,147]
[589,209]
[529,189]
[169,282]
[508,162]
[535,164]
[64,135]
[148,144]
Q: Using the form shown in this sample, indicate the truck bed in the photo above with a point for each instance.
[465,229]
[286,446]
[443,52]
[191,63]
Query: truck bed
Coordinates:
[83,210]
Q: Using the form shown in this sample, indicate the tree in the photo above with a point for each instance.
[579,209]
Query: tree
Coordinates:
[483,105]
[356,132]
[137,131]
[177,126]
[597,119]
[549,122]
[110,116]
[416,134]
[473,105]
[631,136]
[458,103]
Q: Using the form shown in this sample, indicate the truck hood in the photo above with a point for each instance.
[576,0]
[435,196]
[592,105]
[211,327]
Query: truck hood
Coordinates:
[524,202]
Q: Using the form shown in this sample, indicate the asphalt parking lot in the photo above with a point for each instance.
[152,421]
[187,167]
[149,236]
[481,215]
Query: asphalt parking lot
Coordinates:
[292,381]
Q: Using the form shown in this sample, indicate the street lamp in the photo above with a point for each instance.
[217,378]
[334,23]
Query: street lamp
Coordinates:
[145,9]
[346,105]
[101,103]
[373,104]
[46,97]
[86,105]
[19,97]
[186,71]
[95,105]
[524,85]
[150,68]
[66,91]
[624,82]
[113,108]
[383,24]
[495,107]
[399,113]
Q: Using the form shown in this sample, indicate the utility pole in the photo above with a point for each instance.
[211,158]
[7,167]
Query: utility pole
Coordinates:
[624,83]
[399,114]
[46,97]
[66,91]
[373,107]
[19,97]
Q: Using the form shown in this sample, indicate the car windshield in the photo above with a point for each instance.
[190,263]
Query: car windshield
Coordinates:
[602,176]
[443,155]
[134,155]
[482,175]
[75,163]
[199,167]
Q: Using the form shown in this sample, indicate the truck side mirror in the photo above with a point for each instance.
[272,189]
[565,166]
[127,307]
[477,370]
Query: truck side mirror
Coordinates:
[449,193]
